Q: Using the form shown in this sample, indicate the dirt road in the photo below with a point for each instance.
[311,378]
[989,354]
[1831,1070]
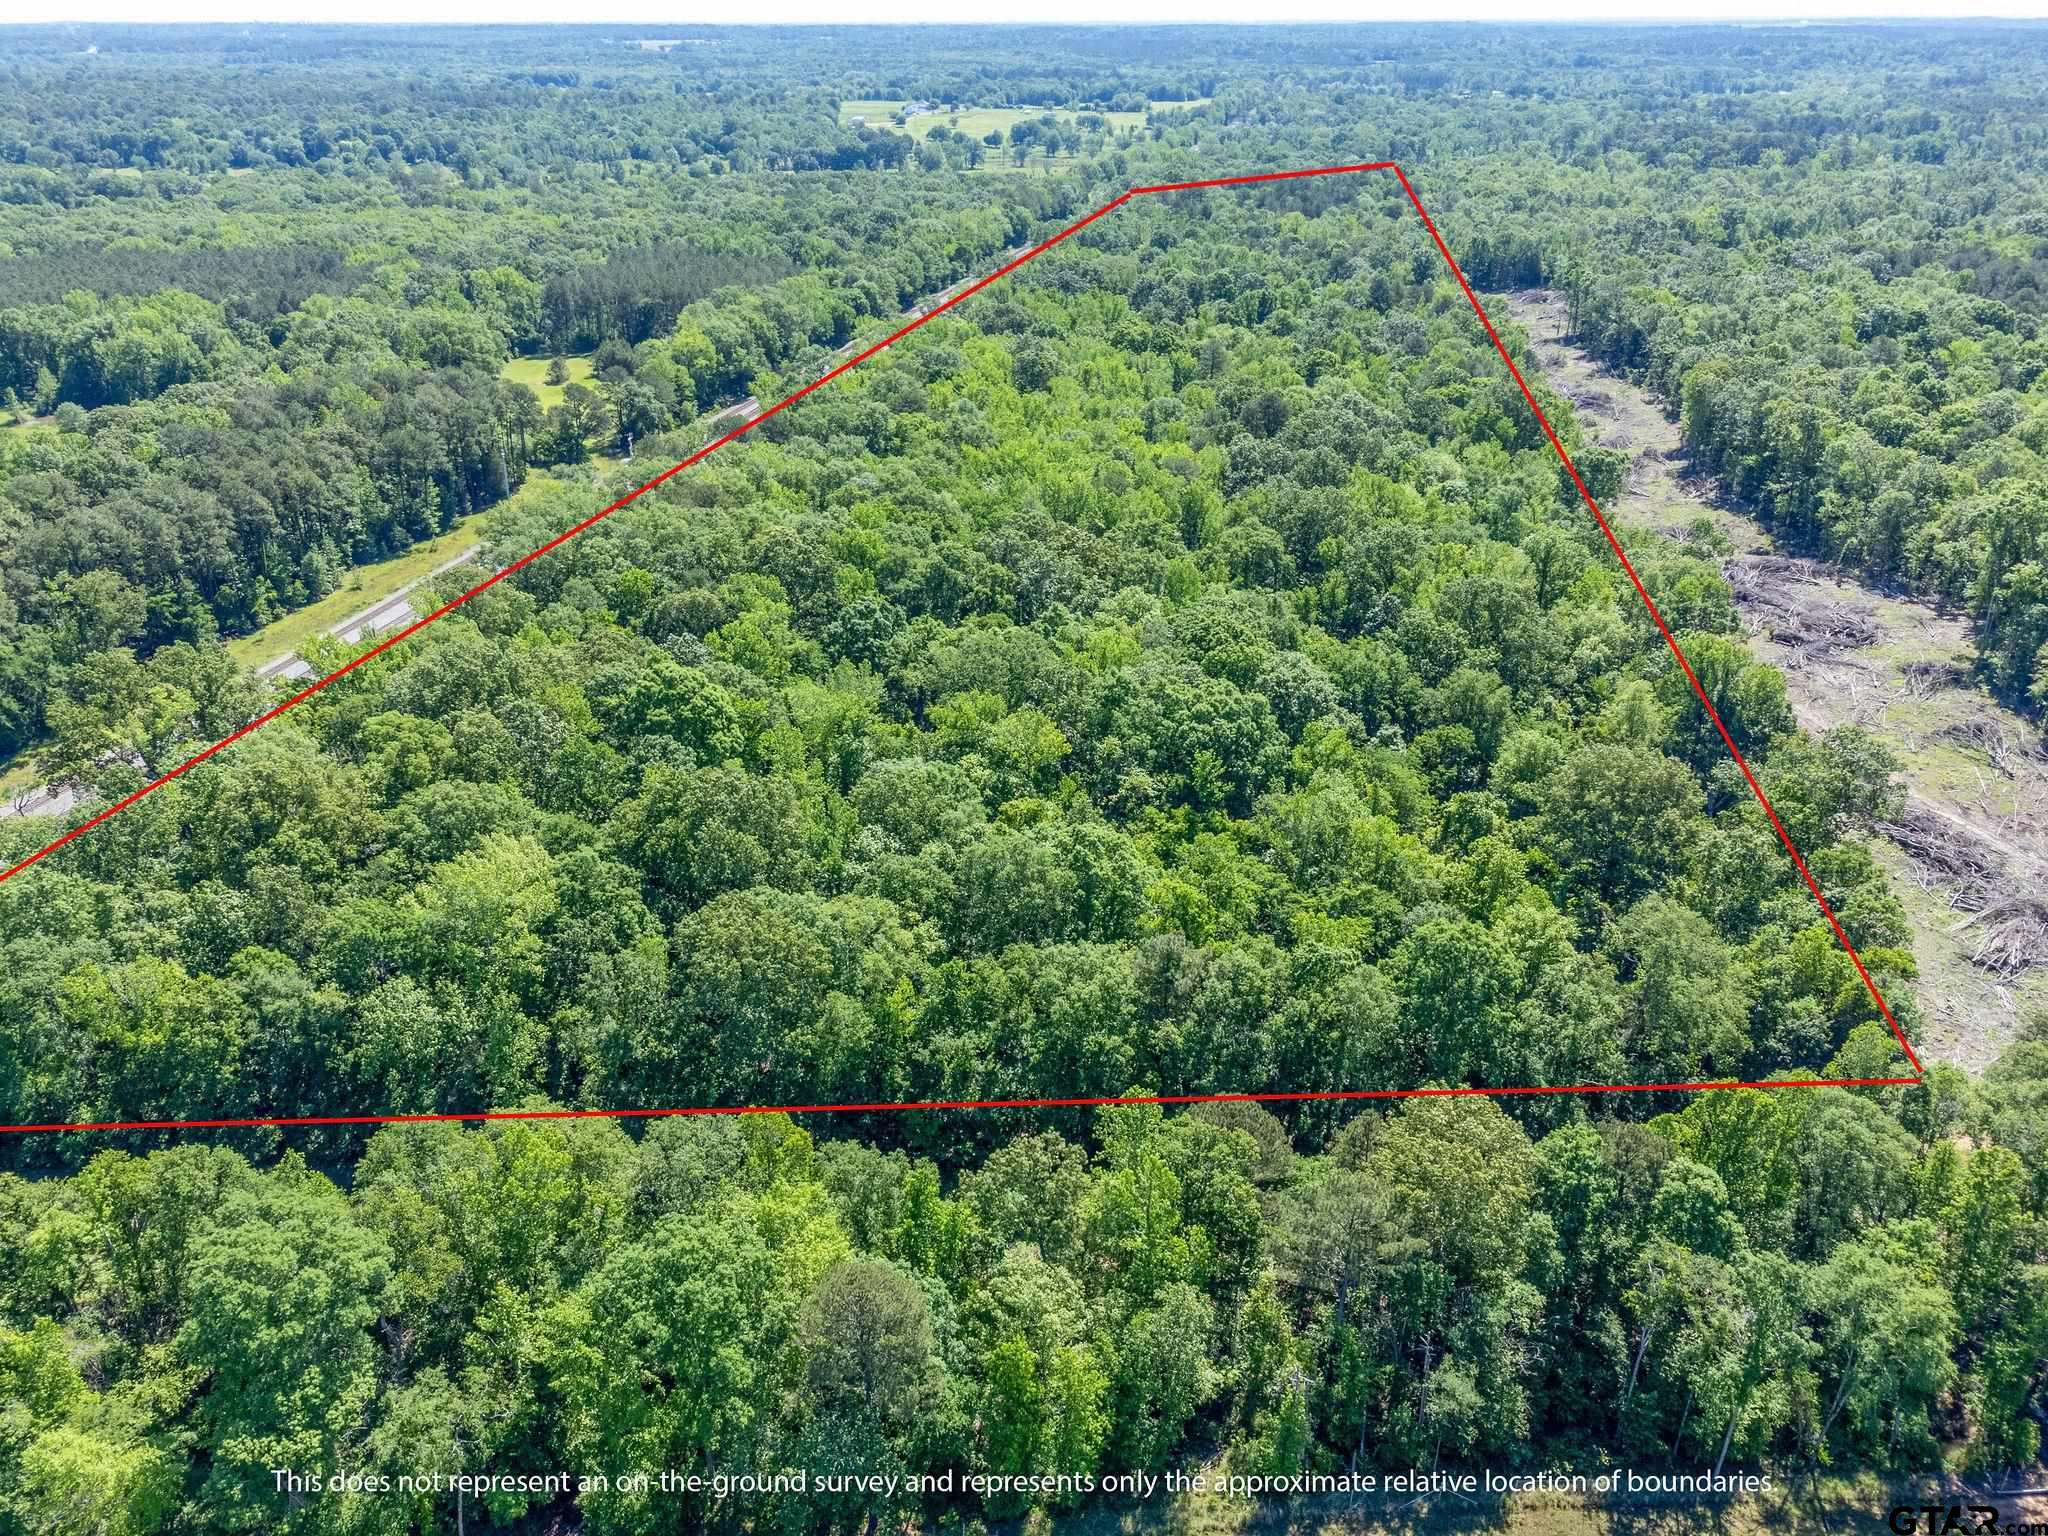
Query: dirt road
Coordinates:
[1972,847]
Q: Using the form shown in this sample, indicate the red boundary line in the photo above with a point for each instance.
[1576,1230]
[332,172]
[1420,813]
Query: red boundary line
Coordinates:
[783,404]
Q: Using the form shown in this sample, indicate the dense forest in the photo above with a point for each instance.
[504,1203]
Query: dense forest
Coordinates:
[1182,669]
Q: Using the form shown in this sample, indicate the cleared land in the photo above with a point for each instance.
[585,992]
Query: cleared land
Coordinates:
[978,122]
[1971,849]
[533,373]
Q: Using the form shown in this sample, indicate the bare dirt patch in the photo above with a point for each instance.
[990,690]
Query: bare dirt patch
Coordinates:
[1970,851]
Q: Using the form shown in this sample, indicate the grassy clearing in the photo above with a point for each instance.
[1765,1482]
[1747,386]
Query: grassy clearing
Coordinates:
[15,778]
[366,586]
[979,122]
[533,373]
[869,108]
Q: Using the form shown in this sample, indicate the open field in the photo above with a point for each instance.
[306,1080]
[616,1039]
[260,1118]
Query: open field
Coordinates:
[869,107]
[979,122]
[533,373]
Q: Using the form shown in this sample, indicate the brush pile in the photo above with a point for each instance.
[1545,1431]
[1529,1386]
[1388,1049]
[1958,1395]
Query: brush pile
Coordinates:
[1968,871]
[2012,937]
[1924,679]
[2009,926]
[1774,592]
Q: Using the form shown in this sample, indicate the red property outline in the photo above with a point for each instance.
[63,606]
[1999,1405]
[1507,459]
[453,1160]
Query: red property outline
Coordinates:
[855,361]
